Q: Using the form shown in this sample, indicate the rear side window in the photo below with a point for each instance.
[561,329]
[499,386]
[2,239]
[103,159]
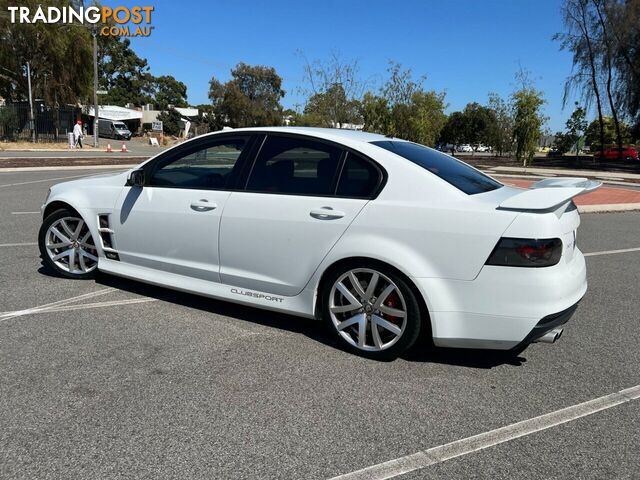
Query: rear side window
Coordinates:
[295,166]
[359,178]
[457,173]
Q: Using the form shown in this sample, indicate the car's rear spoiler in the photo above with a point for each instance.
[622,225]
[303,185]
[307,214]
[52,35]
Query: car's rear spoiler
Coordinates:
[549,194]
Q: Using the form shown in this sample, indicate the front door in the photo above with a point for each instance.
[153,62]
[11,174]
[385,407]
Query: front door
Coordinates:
[172,223]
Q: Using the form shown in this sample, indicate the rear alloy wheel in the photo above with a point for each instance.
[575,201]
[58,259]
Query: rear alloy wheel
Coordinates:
[67,246]
[372,312]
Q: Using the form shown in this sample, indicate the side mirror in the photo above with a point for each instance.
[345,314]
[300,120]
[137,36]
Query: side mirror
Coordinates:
[136,178]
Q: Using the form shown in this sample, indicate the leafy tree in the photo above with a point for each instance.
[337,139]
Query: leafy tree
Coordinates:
[375,113]
[171,120]
[580,40]
[455,130]
[404,108]
[592,133]
[8,123]
[604,39]
[528,121]
[576,126]
[606,61]
[251,98]
[332,108]
[622,19]
[501,132]
[169,91]
[123,74]
[635,133]
[427,117]
[334,92]
[563,142]
[480,122]
[56,75]
[474,125]
[309,119]
[400,86]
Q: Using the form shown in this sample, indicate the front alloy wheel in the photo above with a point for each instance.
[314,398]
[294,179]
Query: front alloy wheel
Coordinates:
[67,246]
[372,312]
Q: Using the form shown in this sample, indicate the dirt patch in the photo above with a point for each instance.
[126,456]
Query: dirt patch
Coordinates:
[40,147]
[68,162]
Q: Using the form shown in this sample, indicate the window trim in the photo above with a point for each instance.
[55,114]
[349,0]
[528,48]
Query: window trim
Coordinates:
[345,150]
[150,168]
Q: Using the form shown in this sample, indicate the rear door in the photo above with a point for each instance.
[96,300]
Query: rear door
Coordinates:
[274,235]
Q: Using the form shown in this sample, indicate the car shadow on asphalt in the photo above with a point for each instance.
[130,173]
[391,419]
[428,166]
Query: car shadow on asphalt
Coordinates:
[463,357]
[421,352]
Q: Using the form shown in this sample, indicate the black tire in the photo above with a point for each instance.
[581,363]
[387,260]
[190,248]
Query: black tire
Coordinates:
[414,319]
[48,263]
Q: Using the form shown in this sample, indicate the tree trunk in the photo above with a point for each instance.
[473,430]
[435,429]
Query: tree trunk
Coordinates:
[614,113]
[594,77]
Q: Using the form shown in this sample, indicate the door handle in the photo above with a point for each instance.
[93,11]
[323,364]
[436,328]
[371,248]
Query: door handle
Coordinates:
[326,213]
[203,205]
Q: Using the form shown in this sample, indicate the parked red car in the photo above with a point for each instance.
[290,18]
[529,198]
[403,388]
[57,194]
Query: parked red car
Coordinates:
[626,153]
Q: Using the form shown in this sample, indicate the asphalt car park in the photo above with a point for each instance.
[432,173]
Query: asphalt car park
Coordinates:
[116,379]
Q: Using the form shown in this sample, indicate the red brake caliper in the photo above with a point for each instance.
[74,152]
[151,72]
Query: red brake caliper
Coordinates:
[392,301]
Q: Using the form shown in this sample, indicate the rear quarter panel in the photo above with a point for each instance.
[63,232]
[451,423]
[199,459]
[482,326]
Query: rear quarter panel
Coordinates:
[422,225]
[424,241]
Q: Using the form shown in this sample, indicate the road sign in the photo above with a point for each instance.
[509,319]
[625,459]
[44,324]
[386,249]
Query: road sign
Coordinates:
[101,92]
[156,126]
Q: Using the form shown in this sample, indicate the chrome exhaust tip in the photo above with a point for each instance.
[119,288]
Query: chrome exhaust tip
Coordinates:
[551,336]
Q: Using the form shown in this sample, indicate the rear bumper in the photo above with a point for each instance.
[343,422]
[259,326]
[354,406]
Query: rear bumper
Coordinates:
[547,324]
[504,306]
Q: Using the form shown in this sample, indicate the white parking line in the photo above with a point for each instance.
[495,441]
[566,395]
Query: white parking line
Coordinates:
[122,166]
[44,180]
[84,306]
[612,252]
[18,313]
[24,213]
[442,453]
[28,244]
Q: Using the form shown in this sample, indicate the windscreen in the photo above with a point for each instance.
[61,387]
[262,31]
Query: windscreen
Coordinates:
[120,126]
[453,171]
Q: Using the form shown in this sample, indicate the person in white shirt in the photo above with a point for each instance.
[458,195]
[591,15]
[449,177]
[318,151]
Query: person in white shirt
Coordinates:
[77,133]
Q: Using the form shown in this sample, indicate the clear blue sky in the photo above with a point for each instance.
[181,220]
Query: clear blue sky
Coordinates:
[466,47]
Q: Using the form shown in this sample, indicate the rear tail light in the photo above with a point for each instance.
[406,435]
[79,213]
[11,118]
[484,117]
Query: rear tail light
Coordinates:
[525,252]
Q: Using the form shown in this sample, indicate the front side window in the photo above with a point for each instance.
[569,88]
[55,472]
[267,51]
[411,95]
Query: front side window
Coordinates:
[453,171]
[210,167]
[295,166]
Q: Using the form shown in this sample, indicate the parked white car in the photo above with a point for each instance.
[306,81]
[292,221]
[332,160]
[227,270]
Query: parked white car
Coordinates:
[465,147]
[379,237]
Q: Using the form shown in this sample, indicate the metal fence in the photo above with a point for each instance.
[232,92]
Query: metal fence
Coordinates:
[51,124]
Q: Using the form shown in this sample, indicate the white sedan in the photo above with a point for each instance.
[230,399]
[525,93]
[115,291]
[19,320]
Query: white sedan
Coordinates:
[379,237]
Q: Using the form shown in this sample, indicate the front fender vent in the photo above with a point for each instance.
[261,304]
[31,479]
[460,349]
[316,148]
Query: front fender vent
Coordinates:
[106,236]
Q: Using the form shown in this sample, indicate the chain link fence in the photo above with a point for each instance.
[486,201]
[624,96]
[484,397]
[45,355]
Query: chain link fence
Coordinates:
[51,124]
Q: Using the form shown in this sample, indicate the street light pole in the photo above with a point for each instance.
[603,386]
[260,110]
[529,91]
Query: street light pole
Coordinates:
[32,123]
[95,89]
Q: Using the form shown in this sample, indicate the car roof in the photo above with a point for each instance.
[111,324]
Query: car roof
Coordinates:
[326,133]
